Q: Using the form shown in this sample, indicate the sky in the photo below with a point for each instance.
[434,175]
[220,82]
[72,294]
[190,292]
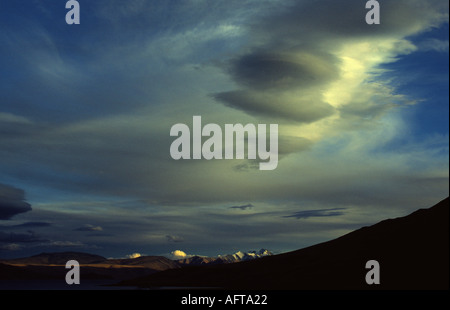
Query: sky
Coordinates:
[86,112]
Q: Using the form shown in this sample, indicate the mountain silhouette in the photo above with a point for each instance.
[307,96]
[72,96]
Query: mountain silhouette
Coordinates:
[152,262]
[60,258]
[46,266]
[412,251]
[52,266]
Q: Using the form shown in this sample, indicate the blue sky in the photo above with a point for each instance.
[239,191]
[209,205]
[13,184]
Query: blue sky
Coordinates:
[430,62]
[86,112]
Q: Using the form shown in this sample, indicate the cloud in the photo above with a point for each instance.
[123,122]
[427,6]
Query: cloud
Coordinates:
[178,254]
[299,55]
[29,237]
[292,144]
[64,244]
[433,44]
[305,22]
[12,202]
[263,70]
[134,255]
[243,207]
[88,227]
[23,242]
[319,65]
[313,67]
[171,238]
[10,247]
[317,213]
[33,224]
[289,105]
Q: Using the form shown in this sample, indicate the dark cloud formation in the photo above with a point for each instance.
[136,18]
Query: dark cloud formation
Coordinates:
[291,57]
[32,225]
[282,83]
[89,227]
[278,71]
[28,237]
[243,207]
[304,22]
[12,202]
[317,213]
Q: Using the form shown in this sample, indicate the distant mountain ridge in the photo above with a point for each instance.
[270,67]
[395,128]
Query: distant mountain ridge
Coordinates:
[52,266]
[224,259]
[413,253]
[46,266]
[58,258]
[155,262]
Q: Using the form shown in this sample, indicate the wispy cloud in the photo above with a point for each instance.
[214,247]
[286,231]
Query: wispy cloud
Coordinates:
[171,238]
[317,213]
[32,225]
[89,227]
[243,207]
[433,44]
[28,237]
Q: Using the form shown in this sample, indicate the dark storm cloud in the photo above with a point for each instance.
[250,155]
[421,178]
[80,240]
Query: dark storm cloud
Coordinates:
[317,213]
[12,202]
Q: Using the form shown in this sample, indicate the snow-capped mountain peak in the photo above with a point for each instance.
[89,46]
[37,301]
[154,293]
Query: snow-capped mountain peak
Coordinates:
[243,256]
[229,258]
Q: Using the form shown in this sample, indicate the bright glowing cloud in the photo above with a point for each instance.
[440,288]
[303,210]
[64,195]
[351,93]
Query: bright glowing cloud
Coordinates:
[134,255]
[178,254]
